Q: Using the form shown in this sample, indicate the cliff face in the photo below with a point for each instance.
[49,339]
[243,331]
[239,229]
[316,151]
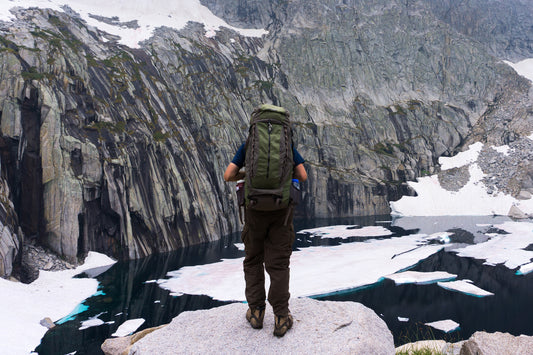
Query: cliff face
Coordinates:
[10,233]
[505,28]
[122,150]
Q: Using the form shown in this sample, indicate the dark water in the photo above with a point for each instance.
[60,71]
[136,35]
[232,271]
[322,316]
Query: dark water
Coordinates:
[125,295]
[508,310]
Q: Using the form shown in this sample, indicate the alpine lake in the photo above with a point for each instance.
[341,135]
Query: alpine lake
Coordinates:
[124,292]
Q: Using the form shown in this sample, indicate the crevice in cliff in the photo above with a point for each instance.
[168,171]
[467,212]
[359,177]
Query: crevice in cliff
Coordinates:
[82,241]
[105,229]
[28,198]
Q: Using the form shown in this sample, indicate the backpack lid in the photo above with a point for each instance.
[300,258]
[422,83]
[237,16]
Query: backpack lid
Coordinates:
[271,113]
[267,107]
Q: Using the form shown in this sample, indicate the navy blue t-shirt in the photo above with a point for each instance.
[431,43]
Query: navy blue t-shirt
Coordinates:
[238,159]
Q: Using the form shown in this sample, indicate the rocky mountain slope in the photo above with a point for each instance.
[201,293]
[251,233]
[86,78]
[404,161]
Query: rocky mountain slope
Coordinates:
[122,151]
[505,28]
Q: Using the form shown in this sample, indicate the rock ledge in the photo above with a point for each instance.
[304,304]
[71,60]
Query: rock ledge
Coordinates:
[320,327]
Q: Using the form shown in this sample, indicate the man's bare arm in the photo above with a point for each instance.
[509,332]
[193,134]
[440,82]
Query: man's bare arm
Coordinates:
[233,173]
[300,173]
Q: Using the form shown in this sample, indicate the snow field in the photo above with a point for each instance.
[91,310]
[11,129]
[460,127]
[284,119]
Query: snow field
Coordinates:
[148,14]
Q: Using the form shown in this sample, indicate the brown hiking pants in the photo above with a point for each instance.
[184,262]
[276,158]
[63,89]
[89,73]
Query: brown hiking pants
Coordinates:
[268,245]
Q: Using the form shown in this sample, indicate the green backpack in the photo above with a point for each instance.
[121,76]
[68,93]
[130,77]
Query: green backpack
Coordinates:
[269,159]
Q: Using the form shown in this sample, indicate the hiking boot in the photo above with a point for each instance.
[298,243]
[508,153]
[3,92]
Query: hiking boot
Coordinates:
[282,324]
[255,317]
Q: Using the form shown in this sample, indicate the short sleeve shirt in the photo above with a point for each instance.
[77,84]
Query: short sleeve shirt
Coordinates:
[238,159]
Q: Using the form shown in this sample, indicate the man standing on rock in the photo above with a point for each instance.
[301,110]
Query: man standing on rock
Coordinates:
[274,170]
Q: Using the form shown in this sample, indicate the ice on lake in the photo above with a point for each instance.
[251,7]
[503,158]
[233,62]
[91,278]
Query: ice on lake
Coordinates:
[420,277]
[446,325]
[128,327]
[466,287]
[347,231]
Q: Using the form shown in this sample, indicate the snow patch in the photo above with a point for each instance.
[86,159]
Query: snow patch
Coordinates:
[433,200]
[504,149]
[148,14]
[462,158]
[524,68]
[53,294]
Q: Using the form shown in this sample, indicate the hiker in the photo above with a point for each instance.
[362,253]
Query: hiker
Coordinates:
[268,232]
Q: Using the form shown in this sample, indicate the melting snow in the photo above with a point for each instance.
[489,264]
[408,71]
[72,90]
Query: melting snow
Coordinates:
[148,14]
[524,68]
[465,286]
[507,249]
[525,269]
[347,231]
[446,326]
[92,322]
[79,309]
[462,158]
[53,294]
[314,270]
[443,237]
[433,200]
[420,277]
[128,327]
[327,269]
[504,149]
